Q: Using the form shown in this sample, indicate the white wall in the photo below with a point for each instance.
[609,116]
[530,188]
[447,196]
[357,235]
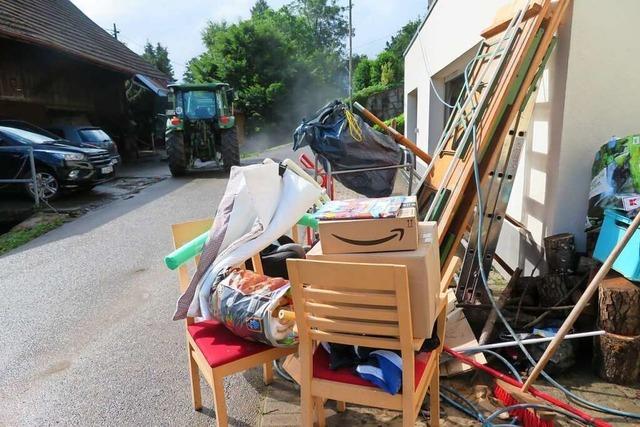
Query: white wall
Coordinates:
[602,99]
[447,40]
[590,91]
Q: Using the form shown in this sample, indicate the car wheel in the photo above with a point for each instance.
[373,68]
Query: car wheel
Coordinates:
[48,186]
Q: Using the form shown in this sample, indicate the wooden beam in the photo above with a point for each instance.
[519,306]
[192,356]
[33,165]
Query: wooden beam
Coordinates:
[504,17]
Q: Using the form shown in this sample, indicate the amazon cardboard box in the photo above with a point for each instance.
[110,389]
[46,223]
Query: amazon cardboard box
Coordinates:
[423,269]
[370,235]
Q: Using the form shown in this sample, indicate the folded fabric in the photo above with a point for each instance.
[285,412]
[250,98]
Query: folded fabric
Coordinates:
[383,368]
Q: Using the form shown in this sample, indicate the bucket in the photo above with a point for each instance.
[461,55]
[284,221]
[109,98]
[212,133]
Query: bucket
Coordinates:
[613,228]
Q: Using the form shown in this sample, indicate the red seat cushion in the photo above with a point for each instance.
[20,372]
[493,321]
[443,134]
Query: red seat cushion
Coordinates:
[219,346]
[322,371]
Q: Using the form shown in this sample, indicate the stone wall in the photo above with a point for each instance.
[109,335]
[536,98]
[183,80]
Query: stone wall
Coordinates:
[388,104]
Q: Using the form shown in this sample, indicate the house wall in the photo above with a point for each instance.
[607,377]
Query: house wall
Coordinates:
[602,99]
[588,92]
[442,49]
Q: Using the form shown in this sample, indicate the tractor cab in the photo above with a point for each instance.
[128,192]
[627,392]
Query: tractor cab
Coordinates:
[201,126]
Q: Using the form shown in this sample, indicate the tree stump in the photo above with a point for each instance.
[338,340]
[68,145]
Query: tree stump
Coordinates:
[552,288]
[619,306]
[617,358]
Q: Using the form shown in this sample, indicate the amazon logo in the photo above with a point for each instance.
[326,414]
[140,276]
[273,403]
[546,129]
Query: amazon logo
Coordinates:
[396,232]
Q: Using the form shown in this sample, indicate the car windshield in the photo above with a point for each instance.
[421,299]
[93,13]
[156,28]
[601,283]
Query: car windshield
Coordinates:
[93,135]
[199,104]
[24,136]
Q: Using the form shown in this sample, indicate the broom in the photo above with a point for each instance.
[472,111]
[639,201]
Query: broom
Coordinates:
[529,419]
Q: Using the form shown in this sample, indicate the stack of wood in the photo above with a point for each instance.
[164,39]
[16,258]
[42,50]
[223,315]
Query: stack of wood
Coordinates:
[617,352]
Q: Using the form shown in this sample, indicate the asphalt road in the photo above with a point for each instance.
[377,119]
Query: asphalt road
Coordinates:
[86,330]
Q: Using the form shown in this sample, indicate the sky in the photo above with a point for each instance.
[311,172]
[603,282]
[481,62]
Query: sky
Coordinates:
[178,24]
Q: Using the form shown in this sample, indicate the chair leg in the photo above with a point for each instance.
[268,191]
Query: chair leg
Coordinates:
[194,376]
[307,410]
[267,373]
[408,417]
[219,402]
[341,406]
[319,404]
[434,398]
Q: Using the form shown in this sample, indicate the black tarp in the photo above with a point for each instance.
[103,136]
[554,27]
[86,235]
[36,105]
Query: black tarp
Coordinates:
[329,136]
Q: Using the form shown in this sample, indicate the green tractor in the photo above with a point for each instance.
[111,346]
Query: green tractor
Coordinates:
[201,127]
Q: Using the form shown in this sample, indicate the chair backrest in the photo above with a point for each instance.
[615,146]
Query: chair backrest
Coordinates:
[348,303]
[182,234]
[185,232]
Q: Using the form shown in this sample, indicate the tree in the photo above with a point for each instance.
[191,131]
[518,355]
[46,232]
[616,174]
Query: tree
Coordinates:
[400,41]
[260,8]
[327,20]
[158,56]
[362,74]
[282,62]
[387,69]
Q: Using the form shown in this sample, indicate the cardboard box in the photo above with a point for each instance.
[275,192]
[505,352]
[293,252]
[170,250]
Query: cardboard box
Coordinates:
[423,269]
[370,235]
[458,335]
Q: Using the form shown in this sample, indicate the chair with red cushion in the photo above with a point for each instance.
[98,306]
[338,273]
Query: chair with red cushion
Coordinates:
[211,347]
[365,305]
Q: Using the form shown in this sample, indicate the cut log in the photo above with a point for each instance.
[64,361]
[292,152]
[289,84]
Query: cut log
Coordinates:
[552,289]
[619,306]
[617,358]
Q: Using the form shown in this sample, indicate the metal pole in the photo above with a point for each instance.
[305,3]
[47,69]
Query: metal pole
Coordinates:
[34,176]
[350,58]
[526,342]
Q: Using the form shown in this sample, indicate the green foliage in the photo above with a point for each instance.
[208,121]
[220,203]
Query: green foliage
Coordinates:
[282,63]
[400,41]
[387,69]
[362,74]
[361,96]
[13,239]
[158,56]
[259,8]
[399,124]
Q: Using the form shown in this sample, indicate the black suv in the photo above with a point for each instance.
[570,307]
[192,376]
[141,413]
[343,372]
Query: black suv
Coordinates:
[87,136]
[59,165]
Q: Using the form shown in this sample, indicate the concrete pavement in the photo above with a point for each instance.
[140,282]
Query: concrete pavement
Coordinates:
[87,336]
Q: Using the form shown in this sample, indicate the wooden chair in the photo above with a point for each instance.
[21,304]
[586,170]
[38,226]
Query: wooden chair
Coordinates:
[365,305]
[212,349]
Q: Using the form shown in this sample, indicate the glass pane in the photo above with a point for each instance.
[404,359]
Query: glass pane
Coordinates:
[93,135]
[199,104]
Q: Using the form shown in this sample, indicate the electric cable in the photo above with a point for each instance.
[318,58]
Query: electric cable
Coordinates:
[462,408]
[429,74]
[484,280]
[498,356]
[487,421]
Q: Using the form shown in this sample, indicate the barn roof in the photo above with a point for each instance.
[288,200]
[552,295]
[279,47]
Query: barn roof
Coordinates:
[60,25]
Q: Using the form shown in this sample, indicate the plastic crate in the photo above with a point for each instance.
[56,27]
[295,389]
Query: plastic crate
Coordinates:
[613,228]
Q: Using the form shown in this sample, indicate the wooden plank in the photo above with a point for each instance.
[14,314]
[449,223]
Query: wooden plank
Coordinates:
[361,395]
[463,215]
[352,327]
[351,312]
[377,277]
[449,271]
[331,296]
[501,23]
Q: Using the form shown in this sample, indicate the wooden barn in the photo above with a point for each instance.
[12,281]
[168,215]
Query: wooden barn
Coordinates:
[56,65]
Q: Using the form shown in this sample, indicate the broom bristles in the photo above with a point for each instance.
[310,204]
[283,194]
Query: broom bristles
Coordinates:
[527,417]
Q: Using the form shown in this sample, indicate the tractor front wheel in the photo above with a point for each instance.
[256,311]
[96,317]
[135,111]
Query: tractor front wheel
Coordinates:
[230,149]
[177,153]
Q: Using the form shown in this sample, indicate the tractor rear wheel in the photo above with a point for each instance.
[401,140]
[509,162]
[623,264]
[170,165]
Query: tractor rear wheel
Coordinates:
[230,149]
[177,153]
